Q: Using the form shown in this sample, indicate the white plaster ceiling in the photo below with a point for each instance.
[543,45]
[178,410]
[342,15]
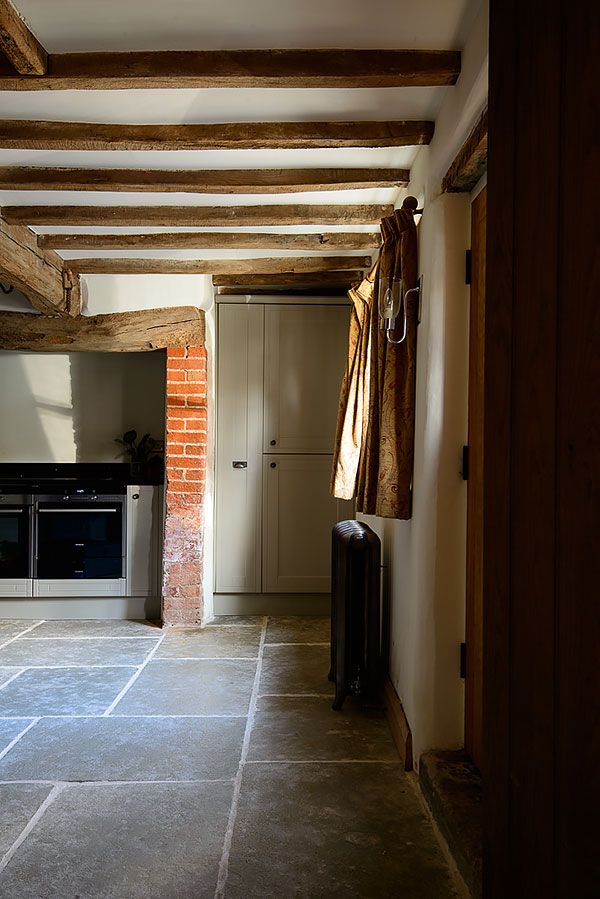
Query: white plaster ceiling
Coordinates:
[86,25]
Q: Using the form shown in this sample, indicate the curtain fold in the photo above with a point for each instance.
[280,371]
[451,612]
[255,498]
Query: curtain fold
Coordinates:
[373,457]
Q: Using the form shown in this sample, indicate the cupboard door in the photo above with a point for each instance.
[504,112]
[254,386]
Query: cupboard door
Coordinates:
[305,359]
[239,459]
[299,513]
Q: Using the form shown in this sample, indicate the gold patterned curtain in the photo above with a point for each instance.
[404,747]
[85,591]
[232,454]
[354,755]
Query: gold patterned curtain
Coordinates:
[373,457]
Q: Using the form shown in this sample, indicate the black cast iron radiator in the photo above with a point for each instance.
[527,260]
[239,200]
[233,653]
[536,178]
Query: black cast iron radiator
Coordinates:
[356,640]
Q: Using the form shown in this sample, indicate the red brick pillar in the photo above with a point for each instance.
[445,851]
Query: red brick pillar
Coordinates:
[185,456]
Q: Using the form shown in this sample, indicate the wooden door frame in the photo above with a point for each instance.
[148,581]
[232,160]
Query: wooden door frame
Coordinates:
[541,452]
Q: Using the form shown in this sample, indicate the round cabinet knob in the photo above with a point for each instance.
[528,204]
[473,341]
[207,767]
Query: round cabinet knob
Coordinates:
[273,464]
[273,443]
[135,496]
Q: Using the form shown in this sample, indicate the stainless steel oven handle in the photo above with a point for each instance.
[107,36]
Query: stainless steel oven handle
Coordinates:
[10,511]
[80,511]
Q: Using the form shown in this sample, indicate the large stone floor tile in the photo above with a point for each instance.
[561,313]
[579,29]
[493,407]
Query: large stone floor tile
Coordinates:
[159,841]
[295,669]
[333,830]
[308,729]
[11,629]
[213,642]
[196,687]
[105,749]
[18,803]
[66,691]
[76,652]
[9,729]
[237,620]
[299,629]
[100,627]
[6,674]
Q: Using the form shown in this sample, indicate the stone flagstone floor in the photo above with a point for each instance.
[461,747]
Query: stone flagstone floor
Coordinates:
[138,763]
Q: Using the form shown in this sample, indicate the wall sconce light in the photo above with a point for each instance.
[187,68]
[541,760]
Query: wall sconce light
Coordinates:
[392,306]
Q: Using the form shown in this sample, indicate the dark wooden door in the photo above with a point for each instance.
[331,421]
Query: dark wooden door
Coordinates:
[474,598]
[542,454]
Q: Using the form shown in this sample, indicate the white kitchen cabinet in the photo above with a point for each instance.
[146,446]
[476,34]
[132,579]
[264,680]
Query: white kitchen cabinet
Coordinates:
[298,515]
[279,371]
[305,352]
[239,436]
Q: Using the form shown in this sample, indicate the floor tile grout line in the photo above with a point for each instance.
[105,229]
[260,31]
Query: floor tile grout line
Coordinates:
[115,717]
[50,798]
[14,742]
[321,643]
[26,631]
[117,783]
[20,671]
[224,863]
[296,695]
[132,680]
[61,667]
[201,659]
[86,639]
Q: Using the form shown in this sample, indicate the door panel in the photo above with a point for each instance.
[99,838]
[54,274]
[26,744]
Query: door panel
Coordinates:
[305,356]
[474,598]
[299,513]
[239,416]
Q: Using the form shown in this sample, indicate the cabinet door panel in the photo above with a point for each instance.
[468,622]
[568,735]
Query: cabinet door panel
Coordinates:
[239,430]
[299,513]
[305,357]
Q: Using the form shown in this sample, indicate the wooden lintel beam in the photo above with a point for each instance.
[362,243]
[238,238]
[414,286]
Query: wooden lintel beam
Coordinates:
[213,240]
[37,273]
[256,181]
[196,216]
[111,266]
[21,134]
[148,329]
[471,161]
[242,69]
[21,48]
[308,279]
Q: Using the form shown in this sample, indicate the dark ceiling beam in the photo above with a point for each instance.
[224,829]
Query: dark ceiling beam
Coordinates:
[241,69]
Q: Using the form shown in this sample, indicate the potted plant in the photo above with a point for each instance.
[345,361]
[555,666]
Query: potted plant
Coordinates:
[145,454]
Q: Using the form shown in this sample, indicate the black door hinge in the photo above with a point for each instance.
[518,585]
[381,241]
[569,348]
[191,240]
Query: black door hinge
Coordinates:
[464,471]
[467,266]
[463,660]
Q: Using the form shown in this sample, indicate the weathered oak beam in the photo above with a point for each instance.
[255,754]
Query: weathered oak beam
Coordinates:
[256,181]
[308,279]
[38,135]
[193,216]
[20,46]
[148,329]
[470,162]
[37,273]
[213,240]
[242,69]
[265,266]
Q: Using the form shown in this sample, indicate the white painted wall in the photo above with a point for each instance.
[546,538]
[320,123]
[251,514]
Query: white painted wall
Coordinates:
[69,407]
[426,555]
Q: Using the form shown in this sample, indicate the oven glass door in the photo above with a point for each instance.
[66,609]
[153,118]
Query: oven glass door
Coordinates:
[14,541]
[80,540]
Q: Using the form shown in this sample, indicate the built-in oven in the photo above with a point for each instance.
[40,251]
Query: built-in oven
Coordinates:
[80,536]
[15,536]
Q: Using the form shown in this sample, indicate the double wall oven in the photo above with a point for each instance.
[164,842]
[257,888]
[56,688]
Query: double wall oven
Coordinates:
[63,529]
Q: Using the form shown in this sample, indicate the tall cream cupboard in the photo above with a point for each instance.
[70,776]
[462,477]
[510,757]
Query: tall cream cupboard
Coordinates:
[279,370]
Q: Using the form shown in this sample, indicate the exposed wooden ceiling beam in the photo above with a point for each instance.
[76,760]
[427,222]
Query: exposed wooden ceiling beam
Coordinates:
[260,181]
[288,265]
[39,135]
[21,48]
[148,329]
[196,216]
[37,273]
[295,290]
[471,161]
[309,279]
[213,240]
[242,68]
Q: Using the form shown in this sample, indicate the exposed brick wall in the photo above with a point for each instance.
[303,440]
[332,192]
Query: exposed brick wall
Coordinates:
[186,446]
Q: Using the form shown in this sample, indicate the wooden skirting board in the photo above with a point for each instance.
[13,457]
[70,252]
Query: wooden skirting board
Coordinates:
[399,725]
